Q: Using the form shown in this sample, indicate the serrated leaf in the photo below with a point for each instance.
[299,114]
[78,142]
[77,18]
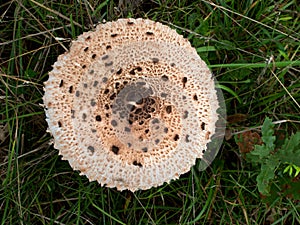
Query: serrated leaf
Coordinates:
[290,150]
[253,158]
[266,174]
[270,159]
[268,134]
[292,142]
[261,150]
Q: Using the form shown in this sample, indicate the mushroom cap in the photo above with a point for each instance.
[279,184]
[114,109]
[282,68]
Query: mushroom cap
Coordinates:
[131,105]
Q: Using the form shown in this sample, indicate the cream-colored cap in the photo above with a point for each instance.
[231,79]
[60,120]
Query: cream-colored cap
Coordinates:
[131,105]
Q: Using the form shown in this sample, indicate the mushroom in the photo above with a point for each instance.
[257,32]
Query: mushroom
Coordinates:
[131,105]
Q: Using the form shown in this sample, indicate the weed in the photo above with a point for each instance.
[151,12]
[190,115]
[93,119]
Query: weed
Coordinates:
[270,156]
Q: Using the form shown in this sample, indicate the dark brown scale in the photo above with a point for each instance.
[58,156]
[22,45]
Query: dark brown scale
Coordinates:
[73,113]
[203,126]
[91,148]
[163,95]
[93,103]
[108,64]
[187,138]
[184,81]
[106,106]
[115,149]
[147,116]
[104,79]
[166,130]
[114,123]
[186,114]
[155,60]
[132,72]
[95,83]
[105,57]
[138,111]
[165,78]
[169,109]
[117,85]
[119,71]
[149,33]
[155,121]
[195,97]
[135,163]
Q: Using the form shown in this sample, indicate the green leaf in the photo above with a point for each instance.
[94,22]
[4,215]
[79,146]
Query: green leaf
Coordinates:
[261,151]
[291,171]
[262,154]
[99,7]
[268,134]
[206,49]
[225,44]
[287,169]
[297,168]
[225,88]
[264,177]
[290,150]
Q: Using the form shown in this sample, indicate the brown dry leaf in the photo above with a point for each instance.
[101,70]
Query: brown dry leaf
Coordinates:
[228,134]
[236,118]
[247,140]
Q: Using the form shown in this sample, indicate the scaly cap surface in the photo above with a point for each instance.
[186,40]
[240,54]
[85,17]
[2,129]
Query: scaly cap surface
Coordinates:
[131,105]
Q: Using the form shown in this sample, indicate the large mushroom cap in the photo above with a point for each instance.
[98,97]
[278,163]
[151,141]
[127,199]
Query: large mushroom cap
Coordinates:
[131,105]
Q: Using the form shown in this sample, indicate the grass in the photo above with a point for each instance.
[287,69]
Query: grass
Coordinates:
[252,47]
